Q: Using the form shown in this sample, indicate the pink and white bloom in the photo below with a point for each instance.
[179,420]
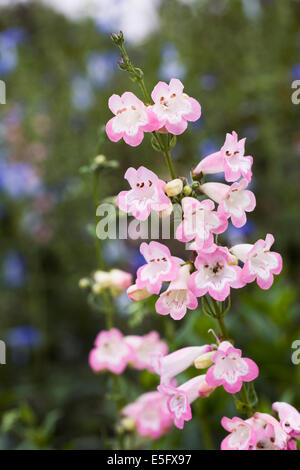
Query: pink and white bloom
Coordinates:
[230,369]
[136,294]
[178,297]
[160,267]
[176,362]
[132,118]
[143,347]
[242,435]
[146,193]
[150,414]
[230,159]
[234,201]
[120,279]
[215,274]
[110,352]
[173,108]
[289,418]
[199,223]
[269,433]
[259,262]
[180,398]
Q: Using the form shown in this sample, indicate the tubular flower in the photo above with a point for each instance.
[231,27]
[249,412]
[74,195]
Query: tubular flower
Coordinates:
[132,118]
[150,414]
[110,352]
[230,369]
[178,297]
[136,294]
[215,274]
[180,398]
[176,362]
[289,418]
[199,223]
[259,262]
[143,347]
[173,108]
[146,193]
[160,266]
[242,435]
[234,201]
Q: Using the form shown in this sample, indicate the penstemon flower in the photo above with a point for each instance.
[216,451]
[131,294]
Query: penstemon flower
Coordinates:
[234,201]
[200,222]
[215,274]
[289,418]
[160,267]
[150,414]
[176,362]
[230,369]
[136,294]
[230,160]
[180,398]
[110,352]
[146,193]
[242,435]
[178,297]
[259,262]
[132,119]
[173,108]
[143,347]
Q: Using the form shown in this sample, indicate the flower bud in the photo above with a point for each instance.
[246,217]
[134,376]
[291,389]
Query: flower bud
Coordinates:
[102,278]
[204,360]
[100,159]
[187,190]
[84,283]
[127,424]
[137,294]
[174,187]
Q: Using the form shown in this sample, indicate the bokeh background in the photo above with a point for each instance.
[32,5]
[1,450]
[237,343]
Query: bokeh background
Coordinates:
[238,58]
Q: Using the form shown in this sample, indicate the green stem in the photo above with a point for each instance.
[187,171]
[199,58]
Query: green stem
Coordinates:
[223,329]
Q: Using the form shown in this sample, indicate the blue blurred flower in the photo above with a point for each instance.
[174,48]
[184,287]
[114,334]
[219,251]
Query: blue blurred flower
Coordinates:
[9,39]
[171,67]
[23,336]
[240,235]
[13,269]
[295,71]
[209,81]
[101,67]
[208,146]
[19,179]
[82,93]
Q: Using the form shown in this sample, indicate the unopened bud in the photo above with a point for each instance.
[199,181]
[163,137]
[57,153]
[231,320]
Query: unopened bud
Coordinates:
[187,190]
[174,187]
[100,159]
[84,283]
[136,294]
[204,361]
[127,424]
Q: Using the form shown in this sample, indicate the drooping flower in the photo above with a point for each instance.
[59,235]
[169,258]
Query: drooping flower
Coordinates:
[132,119]
[150,414]
[199,223]
[178,297]
[215,274]
[234,201]
[146,193]
[259,262]
[289,418]
[242,435]
[160,266]
[143,347]
[180,398]
[173,108]
[230,369]
[176,362]
[110,352]
[230,159]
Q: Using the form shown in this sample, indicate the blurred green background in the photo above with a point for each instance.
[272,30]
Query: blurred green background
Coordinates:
[238,58]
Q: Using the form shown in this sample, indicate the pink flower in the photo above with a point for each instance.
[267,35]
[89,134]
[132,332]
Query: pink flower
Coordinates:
[178,297]
[132,119]
[229,159]
[136,294]
[200,221]
[120,279]
[180,398]
[150,413]
[230,369]
[111,352]
[173,108]
[269,433]
[215,274]
[289,418]
[259,262]
[233,200]
[160,267]
[242,435]
[143,347]
[146,193]
[176,362]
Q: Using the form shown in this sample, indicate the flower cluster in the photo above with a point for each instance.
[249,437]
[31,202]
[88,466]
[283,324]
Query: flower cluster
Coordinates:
[262,431]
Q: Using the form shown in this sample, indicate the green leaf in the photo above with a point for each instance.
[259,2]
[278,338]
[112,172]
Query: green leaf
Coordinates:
[9,419]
